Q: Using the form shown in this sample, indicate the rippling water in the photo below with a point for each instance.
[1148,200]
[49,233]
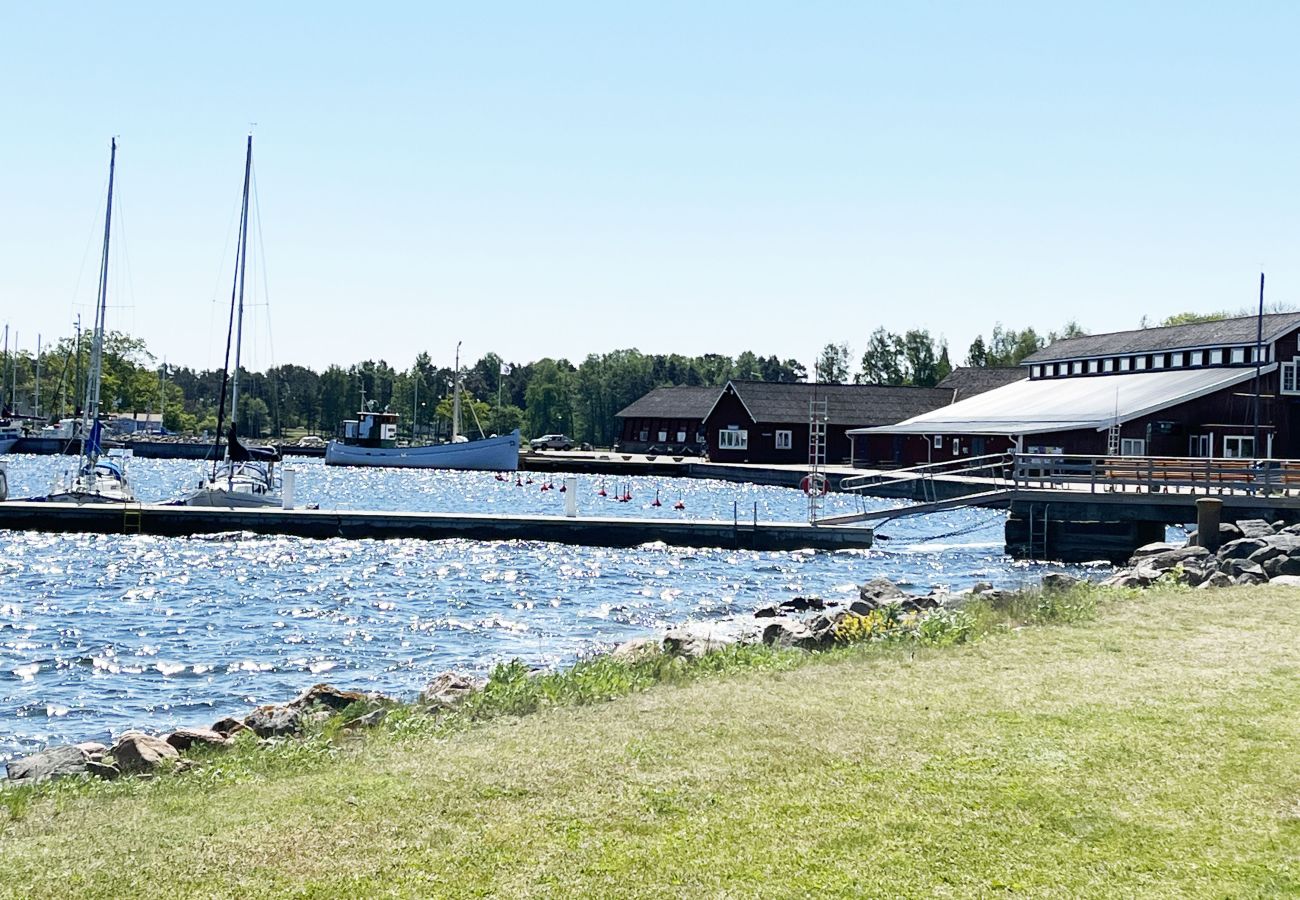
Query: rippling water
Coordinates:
[101,633]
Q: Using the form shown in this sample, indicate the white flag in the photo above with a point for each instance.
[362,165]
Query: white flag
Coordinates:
[505,369]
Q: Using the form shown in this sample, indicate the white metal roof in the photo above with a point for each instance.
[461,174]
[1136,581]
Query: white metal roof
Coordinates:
[1066,404]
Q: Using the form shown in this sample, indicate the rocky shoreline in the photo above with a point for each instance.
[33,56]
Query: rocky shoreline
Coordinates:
[1251,553]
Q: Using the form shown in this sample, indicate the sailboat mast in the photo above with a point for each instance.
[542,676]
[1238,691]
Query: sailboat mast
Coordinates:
[97,344]
[242,270]
[455,399]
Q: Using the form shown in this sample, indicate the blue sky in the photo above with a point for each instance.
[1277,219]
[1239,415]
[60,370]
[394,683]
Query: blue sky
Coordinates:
[554,180]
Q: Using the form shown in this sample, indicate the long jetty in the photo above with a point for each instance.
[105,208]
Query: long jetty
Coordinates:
[185,521]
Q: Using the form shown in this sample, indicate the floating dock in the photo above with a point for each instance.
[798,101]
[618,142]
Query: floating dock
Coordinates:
[186,521]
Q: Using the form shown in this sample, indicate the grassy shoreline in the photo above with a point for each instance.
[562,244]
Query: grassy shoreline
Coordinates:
[1152,750]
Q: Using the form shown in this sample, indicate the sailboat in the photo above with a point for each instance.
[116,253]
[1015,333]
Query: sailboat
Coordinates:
[242,476]
[98,478]
[371,440]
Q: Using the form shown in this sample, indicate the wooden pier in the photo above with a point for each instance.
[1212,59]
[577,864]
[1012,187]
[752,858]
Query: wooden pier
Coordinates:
[185,521]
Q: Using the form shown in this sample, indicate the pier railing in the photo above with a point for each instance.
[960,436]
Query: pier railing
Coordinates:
[1157,474]
[995,467]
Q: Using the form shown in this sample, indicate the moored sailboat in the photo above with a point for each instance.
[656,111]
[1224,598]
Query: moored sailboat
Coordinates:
[98,478]
[241,476]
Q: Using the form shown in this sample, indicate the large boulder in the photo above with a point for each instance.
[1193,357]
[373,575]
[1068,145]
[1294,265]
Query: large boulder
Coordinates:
[692,642]
[1243,568]
[629,651]
[185,738]
[274,721]
[138,752]
[880,592]
[56,762]
[1281,566]
[1059,582]
[1126,578]
[450,689]
[1215,580]
[1277,545]
[1257,528]
[1178,556]
[786,632]
[1242,548]
[1227,532]
[1155,549]
[330,697]
[1286,580]
[228,727]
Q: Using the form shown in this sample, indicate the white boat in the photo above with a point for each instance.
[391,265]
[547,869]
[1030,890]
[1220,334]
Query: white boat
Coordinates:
[244,477]
[97,479]
[370,440]
[10,434]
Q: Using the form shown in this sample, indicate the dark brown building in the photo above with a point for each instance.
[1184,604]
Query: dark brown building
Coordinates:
[1203,389]
[667,420]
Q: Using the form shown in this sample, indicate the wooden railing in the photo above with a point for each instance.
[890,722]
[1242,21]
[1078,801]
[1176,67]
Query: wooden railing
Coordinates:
[1157,474]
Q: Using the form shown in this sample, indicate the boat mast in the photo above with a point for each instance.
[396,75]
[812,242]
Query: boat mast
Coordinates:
[242,270]
[90,448]
[236,302]
[455,399]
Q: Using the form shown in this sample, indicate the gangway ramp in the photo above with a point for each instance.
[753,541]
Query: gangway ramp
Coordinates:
[987,499]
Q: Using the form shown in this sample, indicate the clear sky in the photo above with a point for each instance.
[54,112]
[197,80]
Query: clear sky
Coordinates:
[557,179]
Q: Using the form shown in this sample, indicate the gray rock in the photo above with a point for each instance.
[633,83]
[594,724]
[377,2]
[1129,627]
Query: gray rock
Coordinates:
[137,752]
[1215,580]
[1291,529]
[329,696]
[274,721]
[1227,532]
[102,770]
[1155,549]
[1242,548]
[56,762]
[227,727]
[803,604]
[787,633]
[881,592]
[1126,578]
[451,688]
[1255,528]
[1286,580]
[369,720]
[981,587]
[693,642]
[1179,556]
[1249,578]
[1282,565]
[631,651]
[1059,582]
[185,738]
[1236,568]
[767,612]
[94,749]
[862,607]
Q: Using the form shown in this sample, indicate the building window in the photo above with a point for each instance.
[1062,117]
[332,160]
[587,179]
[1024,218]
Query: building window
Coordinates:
[1176,360]
[1200,445]
[784,440]
[1108,366]
[1197,358]
[1158,361]
[1238,446]
[1125,364]
[643,435]
[663,437]
[1132,447]
[1076,368]
[938,442]
[733,439]
[1216,357]
[1238,354]
[681,437]
[1094,365]
[1038,371]
[1289,383]
[1139,363]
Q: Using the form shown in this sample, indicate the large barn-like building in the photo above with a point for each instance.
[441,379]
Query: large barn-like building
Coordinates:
[1203,389]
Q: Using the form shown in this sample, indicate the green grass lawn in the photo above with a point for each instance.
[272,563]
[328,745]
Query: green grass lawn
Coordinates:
[1151,752]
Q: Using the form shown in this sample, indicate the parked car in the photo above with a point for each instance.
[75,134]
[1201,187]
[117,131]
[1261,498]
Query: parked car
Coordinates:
[551,442]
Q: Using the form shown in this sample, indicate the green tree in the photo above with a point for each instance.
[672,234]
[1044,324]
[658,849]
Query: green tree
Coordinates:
[833,364]
[920,359]
[882,361]
[978,354]
[548,405]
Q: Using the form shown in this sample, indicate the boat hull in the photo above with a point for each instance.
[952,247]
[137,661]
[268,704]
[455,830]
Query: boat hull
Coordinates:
[226,499]
[494,454]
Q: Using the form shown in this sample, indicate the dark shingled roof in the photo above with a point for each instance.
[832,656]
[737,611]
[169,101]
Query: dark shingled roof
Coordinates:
[1225,332]
[968,381]
[846,404]
[684,402]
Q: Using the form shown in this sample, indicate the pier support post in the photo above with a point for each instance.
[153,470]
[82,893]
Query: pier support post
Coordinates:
[571,496]
[1208,514]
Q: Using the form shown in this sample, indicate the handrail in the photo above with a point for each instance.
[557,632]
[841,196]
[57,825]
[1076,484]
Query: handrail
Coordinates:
[960,466]
[1157,474]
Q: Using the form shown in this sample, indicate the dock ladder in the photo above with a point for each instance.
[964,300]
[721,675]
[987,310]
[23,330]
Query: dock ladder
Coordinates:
[815,484]
[1038,533]
[132,513]
[1112,440]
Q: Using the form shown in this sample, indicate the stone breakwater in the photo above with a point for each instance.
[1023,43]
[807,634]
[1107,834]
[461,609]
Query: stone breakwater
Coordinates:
[1252,551]
[805,623]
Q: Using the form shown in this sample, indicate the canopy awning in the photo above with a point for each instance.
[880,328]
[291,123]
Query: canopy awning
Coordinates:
[1068,404]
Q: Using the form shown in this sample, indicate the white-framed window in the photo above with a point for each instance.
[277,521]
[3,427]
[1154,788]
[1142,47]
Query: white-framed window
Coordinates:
[1197,358]
[1216,357]
[1038,371]
[1200,445]
[681,437]
[1139,363]
[663,436]
[956,446]
[1176,360]
[1238,354]
[938,442]
[1158,361]
[1125,364]
[643,435]
[1238,446]
[1076,368]
[733,439]
[1288,376]
[1132,447]
[784,440]
[1108,366]
[1094,365]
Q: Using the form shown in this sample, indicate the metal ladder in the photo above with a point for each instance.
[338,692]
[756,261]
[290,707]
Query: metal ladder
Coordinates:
[1112,440]
[817,416]
[131,516]
[1038,534]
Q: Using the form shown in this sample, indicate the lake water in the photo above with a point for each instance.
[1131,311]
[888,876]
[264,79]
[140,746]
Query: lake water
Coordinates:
[103,633]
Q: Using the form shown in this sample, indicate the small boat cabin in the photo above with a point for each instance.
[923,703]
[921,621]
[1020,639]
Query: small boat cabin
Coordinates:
[371,429]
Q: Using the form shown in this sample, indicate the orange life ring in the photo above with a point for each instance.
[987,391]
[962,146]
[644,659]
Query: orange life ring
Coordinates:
[819,484]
